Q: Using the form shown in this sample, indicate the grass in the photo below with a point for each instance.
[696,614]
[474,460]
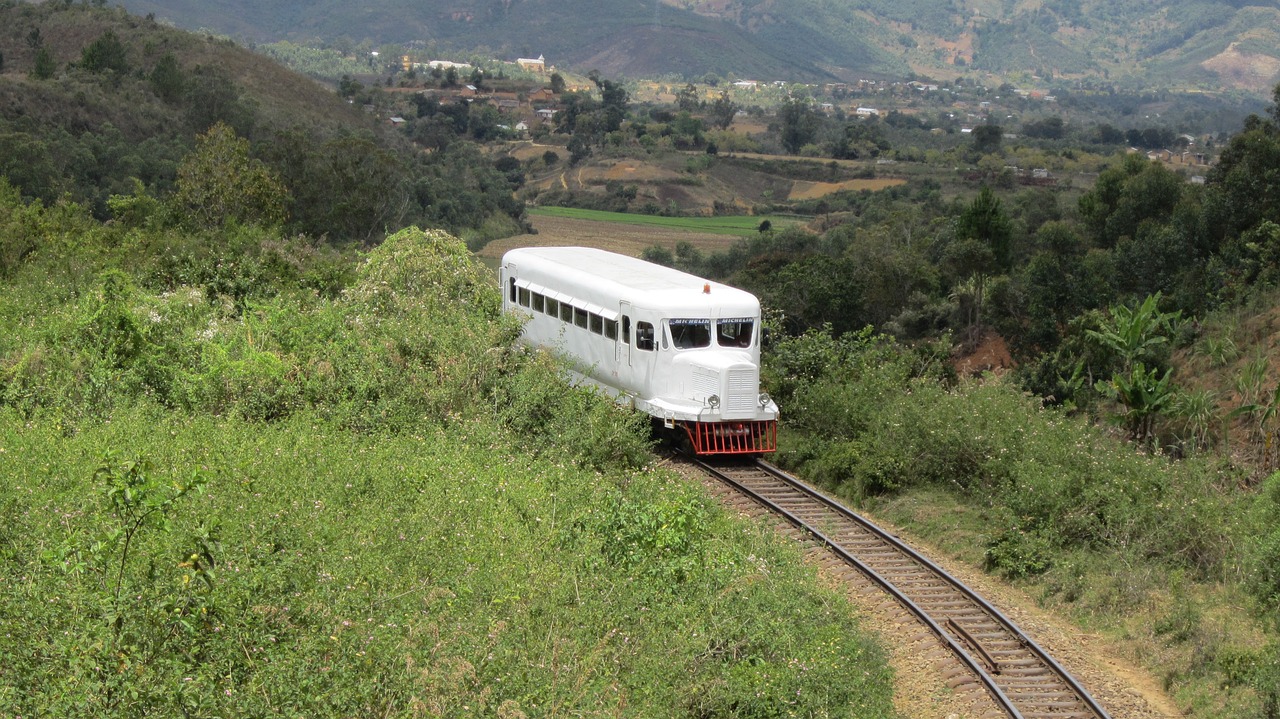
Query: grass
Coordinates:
[739,225]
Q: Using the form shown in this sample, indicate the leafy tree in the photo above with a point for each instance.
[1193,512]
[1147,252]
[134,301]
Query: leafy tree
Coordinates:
[167,79]
[798,124]
[1128,194]
[863,138]
[219,183]
[984,220]
[557,83]
[106,54]
[362,188]
[613,102]
[212,97]
[987,138]
[687,99]
[722,111]
[1050,128]
[1243,188]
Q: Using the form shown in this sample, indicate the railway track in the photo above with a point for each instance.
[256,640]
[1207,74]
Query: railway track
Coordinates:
[1021,679]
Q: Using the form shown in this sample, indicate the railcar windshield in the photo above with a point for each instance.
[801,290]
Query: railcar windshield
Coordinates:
[690,333]
[734,332]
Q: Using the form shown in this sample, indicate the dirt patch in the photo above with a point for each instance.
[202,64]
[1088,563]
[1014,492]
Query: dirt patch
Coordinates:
[990,354]
[1244,70]
[813,190]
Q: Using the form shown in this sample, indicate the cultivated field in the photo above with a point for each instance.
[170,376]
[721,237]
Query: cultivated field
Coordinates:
[613,236]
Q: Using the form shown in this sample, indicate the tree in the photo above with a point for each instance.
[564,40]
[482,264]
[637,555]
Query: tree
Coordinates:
[106,54]
[613,102]
[219,182]
[687,98]
[984,220]
[987,138]
[44,66]
[722,111]
[1124,197]
[1243,188]
[1050,128]
[798,125]
[167,78]
[557,83]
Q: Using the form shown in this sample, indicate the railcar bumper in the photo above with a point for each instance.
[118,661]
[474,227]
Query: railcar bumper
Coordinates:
[750,437]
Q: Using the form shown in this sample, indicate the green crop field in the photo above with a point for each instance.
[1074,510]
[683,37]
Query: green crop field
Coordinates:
[740,225]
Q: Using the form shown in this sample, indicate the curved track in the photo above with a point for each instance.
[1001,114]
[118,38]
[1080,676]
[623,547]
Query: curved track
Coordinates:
[1021,678]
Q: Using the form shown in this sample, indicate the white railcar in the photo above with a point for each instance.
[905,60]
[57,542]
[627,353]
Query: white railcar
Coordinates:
[683,349]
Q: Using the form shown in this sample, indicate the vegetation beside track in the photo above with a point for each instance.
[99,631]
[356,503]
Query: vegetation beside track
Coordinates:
[248,477]
[1167,558]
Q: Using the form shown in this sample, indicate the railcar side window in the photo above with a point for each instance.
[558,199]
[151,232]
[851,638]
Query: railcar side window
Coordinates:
[626,329]
[690,333]
[580,317]
[513,289]
[566,313]
[597,324]
[644,336]
[553,307]
[538,302]
[611,329]
[524,296]
[734,332]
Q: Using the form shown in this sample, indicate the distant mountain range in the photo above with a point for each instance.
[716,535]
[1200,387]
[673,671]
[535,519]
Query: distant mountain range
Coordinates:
[1190,44]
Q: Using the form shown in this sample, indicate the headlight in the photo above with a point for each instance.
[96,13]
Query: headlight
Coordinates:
[764,399]
[714,401]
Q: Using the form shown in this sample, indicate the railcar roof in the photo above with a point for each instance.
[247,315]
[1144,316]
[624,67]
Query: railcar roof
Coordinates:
[593,267]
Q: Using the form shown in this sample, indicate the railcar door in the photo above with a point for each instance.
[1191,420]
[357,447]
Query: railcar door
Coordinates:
[623,351]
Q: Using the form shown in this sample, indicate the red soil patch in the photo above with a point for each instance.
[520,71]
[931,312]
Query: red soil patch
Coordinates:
[991,354]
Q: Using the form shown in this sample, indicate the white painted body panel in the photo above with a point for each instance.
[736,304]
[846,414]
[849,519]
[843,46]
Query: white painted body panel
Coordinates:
[666,382]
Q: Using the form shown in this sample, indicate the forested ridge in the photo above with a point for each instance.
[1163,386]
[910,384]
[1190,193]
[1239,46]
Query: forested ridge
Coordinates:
[96,99]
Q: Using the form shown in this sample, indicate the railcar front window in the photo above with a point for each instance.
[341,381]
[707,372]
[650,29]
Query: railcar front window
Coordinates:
[734,332]
[689,334]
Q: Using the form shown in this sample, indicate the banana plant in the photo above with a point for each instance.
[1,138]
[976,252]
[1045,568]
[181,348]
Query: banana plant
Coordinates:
[1144,393]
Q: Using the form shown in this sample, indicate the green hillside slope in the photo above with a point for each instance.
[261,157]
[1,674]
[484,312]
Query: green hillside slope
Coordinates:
[1169,41]
[92,100]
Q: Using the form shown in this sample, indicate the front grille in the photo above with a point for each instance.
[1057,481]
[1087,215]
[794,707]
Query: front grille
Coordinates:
[742,393]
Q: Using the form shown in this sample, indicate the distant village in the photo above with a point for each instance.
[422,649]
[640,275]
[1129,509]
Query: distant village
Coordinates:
[949,108]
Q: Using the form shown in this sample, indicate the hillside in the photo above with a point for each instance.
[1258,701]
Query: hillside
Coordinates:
[94,99]
[1206,44]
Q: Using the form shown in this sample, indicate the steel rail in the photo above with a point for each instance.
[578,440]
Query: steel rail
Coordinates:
[948,638]
[986,606]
